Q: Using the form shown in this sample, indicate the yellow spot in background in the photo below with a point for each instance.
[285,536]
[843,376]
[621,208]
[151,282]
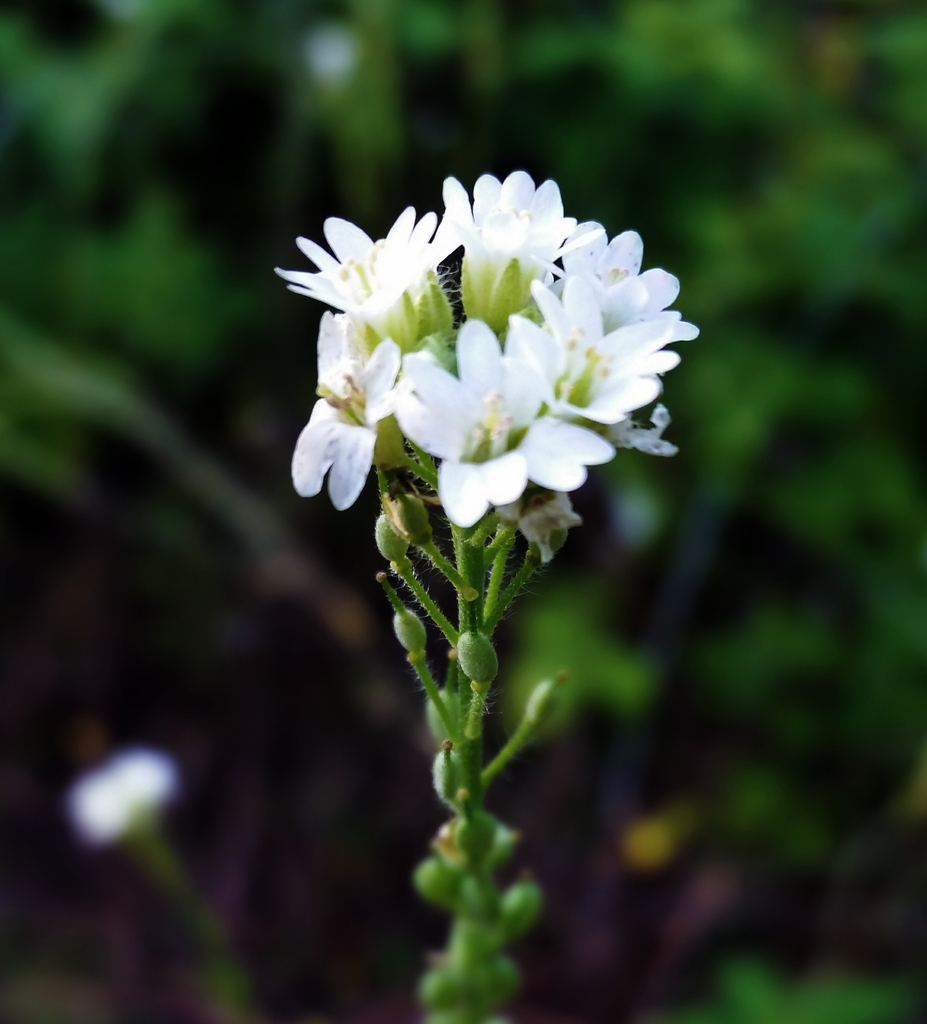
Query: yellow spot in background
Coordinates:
[652,842]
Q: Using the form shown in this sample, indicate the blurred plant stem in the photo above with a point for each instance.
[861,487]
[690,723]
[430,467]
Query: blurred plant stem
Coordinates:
[224,980]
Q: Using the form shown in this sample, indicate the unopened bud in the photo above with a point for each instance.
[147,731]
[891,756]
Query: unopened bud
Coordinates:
[409,630]
[436,726]
[475,836]
[476,657]
[521,904]
[408,517]
[479,898]
[539,702]
[440,989]
[438,882]
[498,980]
[445,773]
[390,545]
[503,846]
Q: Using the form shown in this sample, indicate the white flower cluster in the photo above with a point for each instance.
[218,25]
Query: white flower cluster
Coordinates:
[125,791]
[539,380]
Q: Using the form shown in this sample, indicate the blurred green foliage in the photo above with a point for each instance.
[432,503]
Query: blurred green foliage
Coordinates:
[158,156]
[751,993]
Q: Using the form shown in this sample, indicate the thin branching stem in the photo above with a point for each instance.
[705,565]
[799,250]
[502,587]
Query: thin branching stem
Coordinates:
[406,573]
[520,578]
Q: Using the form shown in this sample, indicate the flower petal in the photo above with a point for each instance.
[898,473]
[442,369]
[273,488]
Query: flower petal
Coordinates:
[378,377]
[557,453]
[457,202]
[505,478]
[347,240]
[460,487]
[319,256]
[662,289]
[315,450]
[479,359]
[485,196]
[353,457]
[517,191]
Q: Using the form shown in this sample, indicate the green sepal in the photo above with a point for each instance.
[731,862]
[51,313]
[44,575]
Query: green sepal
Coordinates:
[389,452]
[433,310]
[442,345]
[408,517]
[508,296]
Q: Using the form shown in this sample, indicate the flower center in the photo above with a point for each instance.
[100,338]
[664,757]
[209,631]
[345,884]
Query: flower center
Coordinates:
[493,435]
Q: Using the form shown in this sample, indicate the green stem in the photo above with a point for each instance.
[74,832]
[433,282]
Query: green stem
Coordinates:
[417,660]
[427,463]
[498,572]
[483,529]
[406,573]
[225,979]
[505,538]
[529,565]
[518,739]
[440,562]
[422,472]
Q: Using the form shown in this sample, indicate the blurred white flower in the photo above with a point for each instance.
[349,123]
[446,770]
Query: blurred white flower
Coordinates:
[331,54]
[629,434]
[341,433]
[376,283]
[625,295]
[127,790]
[543,518]
[588,373]
[483,425]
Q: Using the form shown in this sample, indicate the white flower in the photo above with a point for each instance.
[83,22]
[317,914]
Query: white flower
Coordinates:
[341,433]
[377,283]
[508,221]
[625,295]
[629,434]
[128,789]
[590,374]
[543,519]
[483,426]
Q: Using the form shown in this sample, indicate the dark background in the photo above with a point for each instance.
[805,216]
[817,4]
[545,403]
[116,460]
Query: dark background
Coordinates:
[730,811]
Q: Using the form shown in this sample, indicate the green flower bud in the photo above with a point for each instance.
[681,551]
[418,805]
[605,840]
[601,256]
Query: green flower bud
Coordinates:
[502,847]
[480,898]
[409,630]
[440,989]
[539,702]
[446,774]
[435,725]
[498,980]
[391,546]
[390,448]
[472,943]
[408,517]
[521,905]
[475,836]
[476,657]
[438,882]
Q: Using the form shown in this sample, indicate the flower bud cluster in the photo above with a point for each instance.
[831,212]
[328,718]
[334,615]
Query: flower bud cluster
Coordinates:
[562,339]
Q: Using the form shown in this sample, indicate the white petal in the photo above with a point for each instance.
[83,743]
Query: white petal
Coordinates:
[332,345]
[441,390]
[315,450]
[505,478]
[479,359]
[625,252]
[534,347]
[322,259]
[662,288]
[485,196]
[557,453]
[401,231]
[517,191]
[430,428]
[353,458]
[378,378]
[347,240]
[582,309]
[584,257]
[546,204]
[625,301]
[613,404]
[684,331]
[552,308]
[457,202]
[460,487]
[423,232]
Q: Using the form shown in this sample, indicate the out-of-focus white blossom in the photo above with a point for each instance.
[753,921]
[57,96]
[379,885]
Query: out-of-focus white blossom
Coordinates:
[127,790]
[331,54]
[625,295]
[543,518]
[629,434]
[341,433]
[588,373]
[377,283]
[483,424]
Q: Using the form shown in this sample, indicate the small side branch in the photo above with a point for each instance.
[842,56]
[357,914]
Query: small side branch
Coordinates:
[520,578]
[417,661]
[406,573]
